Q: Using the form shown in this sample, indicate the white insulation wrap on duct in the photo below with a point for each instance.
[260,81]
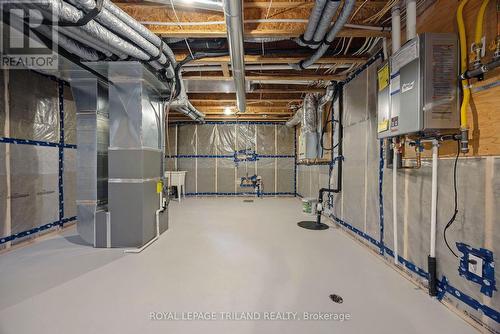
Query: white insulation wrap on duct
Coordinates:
[71,14]
[309,117]
[106,18]
[296,119]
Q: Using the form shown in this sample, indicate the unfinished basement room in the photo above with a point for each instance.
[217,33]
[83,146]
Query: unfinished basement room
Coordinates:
[249,166]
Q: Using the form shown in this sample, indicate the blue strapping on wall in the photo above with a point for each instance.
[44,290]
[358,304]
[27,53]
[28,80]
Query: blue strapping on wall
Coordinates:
[381,196]
[443,285]
[210,156]
[36,230]
[18,141]
[60,87]
[61,145]
[229,123]
[487,281]
[240,194]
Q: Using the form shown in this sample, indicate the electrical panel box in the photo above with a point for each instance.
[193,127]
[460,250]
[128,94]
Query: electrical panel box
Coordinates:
[418,87]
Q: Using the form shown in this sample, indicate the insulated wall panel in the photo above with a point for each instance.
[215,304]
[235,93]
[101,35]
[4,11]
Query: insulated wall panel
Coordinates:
[34,106]
[34,186]
[266,139]
[187,140]
[266,169]
[69,184]
[372,226]
[245,137]
[217,175]
[354,166]
[206,175]
[2,102]
[206,137]
[226,138]
[188,165]
[303,181]
[286,175]
[225,176]
[69,117]
[286,145]
[3,192]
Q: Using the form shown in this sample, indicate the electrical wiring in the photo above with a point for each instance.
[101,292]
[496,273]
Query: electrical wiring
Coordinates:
[328,119]
[455,210]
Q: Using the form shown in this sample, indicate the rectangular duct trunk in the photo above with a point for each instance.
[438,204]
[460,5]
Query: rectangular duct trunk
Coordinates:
[135,155]
[91,100]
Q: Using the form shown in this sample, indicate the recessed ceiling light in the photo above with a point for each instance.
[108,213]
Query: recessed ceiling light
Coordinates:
[228,111]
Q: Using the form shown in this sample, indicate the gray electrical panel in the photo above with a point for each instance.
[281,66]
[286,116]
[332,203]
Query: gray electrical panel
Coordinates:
[418,87]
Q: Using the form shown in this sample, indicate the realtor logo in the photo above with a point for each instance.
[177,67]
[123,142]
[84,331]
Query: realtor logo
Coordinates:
[27,42]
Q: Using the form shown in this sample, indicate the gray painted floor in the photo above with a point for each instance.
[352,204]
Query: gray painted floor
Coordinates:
[219,255]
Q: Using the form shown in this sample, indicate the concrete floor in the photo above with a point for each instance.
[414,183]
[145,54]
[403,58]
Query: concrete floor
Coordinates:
[219,255]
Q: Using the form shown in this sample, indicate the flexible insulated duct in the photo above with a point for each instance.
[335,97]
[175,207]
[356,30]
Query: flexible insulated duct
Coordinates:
[96,31]
[314,18]
[296,119]
[234,21]
[106,18]
[325,22]
[337,26]
[112,33]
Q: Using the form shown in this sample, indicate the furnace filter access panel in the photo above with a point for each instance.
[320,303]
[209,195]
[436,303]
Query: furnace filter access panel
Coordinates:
[418,87]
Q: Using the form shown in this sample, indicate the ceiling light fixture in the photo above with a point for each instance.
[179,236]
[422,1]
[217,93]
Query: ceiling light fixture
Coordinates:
[228,111]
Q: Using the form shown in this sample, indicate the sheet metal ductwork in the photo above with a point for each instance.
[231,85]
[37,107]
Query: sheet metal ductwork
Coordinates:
[136,121]
[92,131]
[234,22]
[120,158]
[310,116]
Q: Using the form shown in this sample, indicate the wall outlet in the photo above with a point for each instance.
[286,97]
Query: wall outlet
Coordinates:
[475,265]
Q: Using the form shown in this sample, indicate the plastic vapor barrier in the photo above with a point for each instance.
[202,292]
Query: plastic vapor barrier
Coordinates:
[33,197]
[217,155]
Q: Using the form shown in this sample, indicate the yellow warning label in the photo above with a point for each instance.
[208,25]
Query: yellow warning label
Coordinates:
[159,187]
[383,77]
[383,125]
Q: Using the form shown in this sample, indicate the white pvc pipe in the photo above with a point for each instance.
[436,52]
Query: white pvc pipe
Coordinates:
[395,199]
[396,28]
[411,19]
[157,213]
[435,146]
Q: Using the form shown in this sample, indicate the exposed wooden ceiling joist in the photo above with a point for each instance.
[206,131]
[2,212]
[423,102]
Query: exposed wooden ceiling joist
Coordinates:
[287,22]
[269,77]
[282,59]
[249,110]
[272,96]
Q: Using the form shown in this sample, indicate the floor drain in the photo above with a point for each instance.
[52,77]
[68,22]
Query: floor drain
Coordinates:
[248,200]
[337,299]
